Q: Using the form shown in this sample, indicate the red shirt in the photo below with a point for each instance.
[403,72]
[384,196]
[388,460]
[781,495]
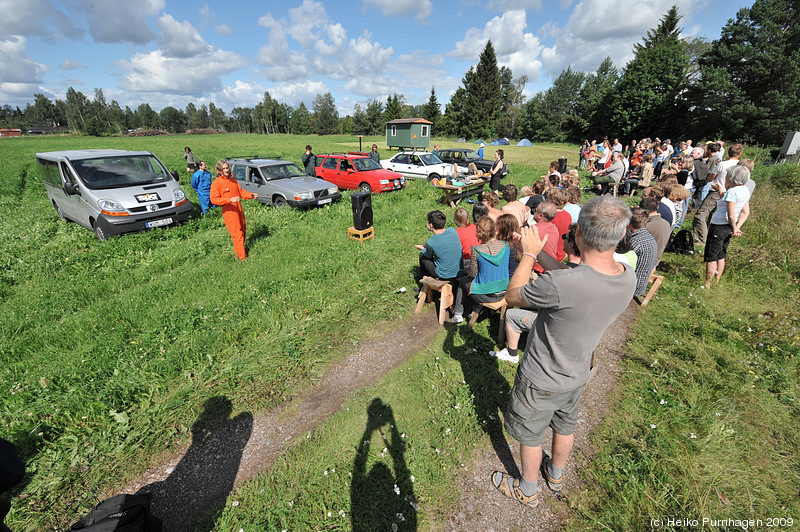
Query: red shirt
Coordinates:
[468,239]
[553,243]
[562,221]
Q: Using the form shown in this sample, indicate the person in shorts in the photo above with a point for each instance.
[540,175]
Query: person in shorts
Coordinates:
[574,307]
[732,211]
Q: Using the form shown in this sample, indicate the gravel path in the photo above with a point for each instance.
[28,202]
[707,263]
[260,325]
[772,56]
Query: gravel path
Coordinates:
[200,476]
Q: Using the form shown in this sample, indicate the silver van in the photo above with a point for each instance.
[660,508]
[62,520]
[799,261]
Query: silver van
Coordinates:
[112,192]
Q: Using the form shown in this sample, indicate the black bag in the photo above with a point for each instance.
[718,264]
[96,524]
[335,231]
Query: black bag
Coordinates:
[682,243]
[120,513]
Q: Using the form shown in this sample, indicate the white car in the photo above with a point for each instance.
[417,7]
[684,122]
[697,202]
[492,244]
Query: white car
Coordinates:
[420,164]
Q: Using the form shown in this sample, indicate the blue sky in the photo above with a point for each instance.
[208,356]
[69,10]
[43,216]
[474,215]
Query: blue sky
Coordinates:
[171,52]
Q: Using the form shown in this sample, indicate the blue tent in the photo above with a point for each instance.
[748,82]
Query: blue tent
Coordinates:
[479,141]
[499,142]
[524,142]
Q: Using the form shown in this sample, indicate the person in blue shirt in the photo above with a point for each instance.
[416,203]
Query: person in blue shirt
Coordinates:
[440,257]
[480,150]
[201,183]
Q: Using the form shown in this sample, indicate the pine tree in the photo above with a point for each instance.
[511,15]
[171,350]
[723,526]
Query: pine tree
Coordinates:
[326,117]
[484,96]
[552,115]
[749,81]
[393,108]
[432,110]
[594,109]
[648,100]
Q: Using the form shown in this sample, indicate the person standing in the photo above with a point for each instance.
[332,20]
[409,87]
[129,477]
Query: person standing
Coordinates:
[201,183]
[310,161]
[574,307]
[191,161]
[716,179]
[435,150]
[497,170]
[374,155]
[480,150]
[225,191]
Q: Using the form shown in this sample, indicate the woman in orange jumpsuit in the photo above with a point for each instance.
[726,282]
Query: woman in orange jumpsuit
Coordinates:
[225,191]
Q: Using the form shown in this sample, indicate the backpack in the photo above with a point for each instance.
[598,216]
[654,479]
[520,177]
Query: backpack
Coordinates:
[681,243]
[120,513]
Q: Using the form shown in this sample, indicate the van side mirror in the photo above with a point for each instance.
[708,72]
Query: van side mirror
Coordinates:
[71,189]
[174,174]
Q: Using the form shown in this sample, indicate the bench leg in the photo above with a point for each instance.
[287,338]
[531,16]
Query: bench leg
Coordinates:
[423,295]
[501,335]
[445,302]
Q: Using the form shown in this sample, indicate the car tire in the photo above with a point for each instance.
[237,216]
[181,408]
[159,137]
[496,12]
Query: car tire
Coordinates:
[279,202]
[99,233]
[364,187]
[431,177]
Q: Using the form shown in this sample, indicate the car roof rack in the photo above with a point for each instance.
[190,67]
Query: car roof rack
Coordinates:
[251,157]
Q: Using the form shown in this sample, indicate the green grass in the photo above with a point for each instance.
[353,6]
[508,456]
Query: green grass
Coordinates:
[109,350]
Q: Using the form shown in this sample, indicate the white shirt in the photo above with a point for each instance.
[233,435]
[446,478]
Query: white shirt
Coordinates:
[721,171]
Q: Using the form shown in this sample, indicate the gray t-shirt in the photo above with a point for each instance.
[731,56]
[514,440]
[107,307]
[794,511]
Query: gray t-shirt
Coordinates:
[575,306]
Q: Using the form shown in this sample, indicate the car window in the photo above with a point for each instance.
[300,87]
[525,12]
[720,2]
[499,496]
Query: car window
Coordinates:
[415,160]
[365,163]
[401,159]
[239,172]
[254,176]
[345,165]
[330,162]
[429,158]
[457,155]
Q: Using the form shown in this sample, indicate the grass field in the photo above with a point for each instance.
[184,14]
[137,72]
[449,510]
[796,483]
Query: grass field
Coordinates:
[110,350]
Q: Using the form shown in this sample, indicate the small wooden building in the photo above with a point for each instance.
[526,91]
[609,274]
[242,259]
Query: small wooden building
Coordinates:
[10,132]
[408,133]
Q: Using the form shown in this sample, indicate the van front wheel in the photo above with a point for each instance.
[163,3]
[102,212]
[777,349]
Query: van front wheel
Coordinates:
[99,233]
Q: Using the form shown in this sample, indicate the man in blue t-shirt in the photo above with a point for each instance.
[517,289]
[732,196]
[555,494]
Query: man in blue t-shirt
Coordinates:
[201,183]
[440,257]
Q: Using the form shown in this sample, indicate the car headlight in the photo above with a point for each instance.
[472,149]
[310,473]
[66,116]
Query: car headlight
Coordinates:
[303,195]
[111,207]
[178,195]
[333,190]
[385,181]
[403,180]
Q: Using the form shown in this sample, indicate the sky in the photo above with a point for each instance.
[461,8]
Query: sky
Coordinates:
[172,52]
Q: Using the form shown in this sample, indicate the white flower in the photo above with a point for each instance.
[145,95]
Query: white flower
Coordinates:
[652,426]
[396,489]
[693,436]
[235,503]
[329,514]
[663,401]
[412,478]
[717,414]
[400,517]
[326,473]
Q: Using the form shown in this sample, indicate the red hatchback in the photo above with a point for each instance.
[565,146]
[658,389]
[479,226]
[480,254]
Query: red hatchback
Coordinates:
[356,171]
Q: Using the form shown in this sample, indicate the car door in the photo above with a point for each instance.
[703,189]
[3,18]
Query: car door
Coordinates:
[416,167]
[399,163]
[239,172]
[347,174]
[329,171]
[74,207]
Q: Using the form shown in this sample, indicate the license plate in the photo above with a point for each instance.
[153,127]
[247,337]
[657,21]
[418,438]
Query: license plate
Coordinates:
[324,201]
[159,223]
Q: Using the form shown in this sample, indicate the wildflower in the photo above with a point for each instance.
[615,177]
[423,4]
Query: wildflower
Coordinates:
[329,514]
[663,401]
[396,489]
[401,517]
[235,503]
[412,478]
[652,426]
[693,436]
[326,473]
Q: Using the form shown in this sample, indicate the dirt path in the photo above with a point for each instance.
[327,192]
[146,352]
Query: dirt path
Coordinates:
[198,477]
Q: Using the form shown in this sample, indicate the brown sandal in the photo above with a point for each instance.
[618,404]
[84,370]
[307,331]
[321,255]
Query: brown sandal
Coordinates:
[513,491]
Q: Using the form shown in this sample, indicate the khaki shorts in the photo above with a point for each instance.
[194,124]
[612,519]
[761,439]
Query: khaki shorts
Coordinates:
[531,411]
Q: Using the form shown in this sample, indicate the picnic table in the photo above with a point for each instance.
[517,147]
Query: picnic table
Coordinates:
[455,193]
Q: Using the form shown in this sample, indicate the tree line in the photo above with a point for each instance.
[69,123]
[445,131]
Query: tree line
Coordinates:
[742,86]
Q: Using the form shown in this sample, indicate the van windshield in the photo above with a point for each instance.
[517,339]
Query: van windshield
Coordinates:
[118,172]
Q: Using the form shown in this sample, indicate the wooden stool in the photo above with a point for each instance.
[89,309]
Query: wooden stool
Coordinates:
[497,305]
[430,285]
[361,234]
[656,280]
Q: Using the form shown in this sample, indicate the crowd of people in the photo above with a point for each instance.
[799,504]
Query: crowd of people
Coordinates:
[567,271]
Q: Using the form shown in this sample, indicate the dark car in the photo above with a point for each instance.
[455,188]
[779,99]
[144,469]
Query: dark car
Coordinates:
[462,157]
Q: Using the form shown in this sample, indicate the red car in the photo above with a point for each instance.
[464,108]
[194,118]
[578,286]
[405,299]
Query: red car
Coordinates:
[356,171]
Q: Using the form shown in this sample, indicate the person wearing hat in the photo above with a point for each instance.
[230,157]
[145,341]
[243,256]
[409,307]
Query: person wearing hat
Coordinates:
[480,150]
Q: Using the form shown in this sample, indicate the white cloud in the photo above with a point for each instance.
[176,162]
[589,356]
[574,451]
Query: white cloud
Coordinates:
[21,76]
[515,48]
[179,39]
[303,20]
[508,5]
[223,29]
[124,21]
[155,72]
[418,9]
[69,64]
[35,17]
[294,93]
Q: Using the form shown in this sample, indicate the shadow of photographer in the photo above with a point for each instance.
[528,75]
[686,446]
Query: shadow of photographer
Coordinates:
[204,477]
[383,498]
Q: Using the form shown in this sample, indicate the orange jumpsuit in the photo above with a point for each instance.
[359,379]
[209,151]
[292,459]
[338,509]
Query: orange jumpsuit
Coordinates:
[222,190]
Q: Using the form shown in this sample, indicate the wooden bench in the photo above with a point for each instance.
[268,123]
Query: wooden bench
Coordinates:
[499,306]
[446,300]
[656,280]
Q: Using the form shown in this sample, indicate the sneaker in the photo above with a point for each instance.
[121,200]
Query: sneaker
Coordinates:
[457,318]
[503,355]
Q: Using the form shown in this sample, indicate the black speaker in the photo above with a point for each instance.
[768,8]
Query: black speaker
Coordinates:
[362,210]
[562,165]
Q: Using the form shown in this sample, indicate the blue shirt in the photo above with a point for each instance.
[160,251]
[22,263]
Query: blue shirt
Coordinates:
[201,181]
[445,251]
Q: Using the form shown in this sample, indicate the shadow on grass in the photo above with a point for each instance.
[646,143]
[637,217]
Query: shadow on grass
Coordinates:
[204,477]
[384,496]
[489,388]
